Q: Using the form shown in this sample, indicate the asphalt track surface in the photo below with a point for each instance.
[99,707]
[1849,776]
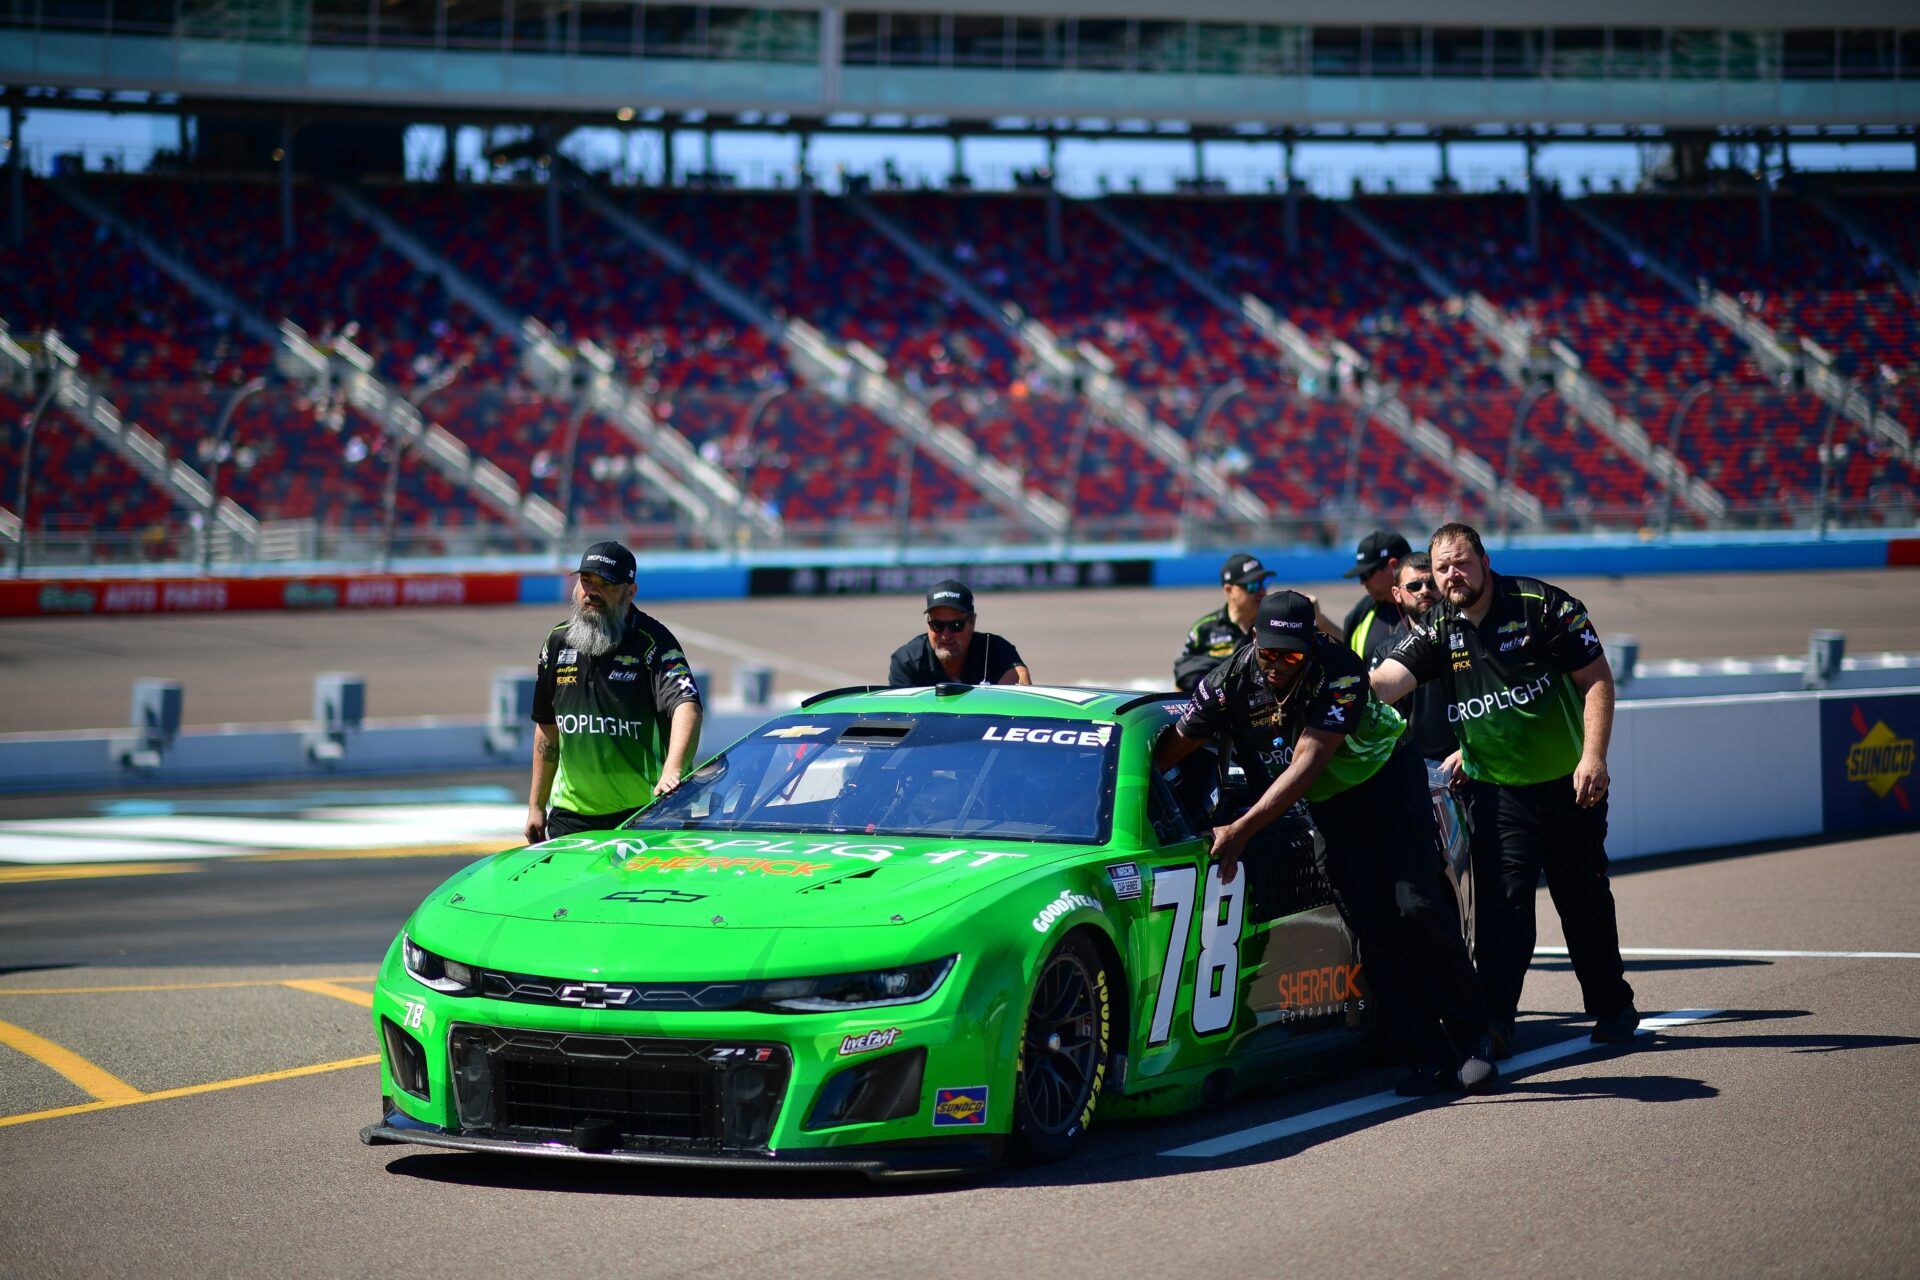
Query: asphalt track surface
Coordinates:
[76,673]
[1776,1137]
[217,1046]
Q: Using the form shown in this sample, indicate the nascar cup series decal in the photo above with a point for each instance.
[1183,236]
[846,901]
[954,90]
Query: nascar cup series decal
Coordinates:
[963,1106]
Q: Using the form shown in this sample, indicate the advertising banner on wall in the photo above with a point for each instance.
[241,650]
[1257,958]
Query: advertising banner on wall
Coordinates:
[84,597]
[985,578]
[1866,761]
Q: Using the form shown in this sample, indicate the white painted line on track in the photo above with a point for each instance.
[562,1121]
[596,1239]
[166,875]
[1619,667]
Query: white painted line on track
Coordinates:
[1729,953]
[1227,1143]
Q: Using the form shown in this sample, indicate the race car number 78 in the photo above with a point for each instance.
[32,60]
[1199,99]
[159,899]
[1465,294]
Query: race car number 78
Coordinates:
[1217,976]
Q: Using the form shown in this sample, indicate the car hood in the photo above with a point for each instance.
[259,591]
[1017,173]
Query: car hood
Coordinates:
[779,880]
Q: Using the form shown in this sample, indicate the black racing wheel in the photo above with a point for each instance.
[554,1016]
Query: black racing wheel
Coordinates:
[1063,1053]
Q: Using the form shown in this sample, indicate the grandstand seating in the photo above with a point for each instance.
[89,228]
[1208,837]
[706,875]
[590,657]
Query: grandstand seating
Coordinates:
[79,484]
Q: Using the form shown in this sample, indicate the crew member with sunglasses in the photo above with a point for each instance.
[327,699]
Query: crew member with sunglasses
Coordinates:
[1425,709]
[1296,707]
[1376,563]
[951,651]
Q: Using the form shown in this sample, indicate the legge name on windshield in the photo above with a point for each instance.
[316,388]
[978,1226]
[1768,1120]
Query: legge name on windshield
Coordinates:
[746,853]
[1049,735]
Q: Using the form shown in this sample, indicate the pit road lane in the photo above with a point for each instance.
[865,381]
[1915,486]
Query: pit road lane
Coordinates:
[1776,1139]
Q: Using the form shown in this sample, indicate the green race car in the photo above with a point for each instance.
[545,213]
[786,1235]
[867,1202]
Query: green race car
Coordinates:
[901,931]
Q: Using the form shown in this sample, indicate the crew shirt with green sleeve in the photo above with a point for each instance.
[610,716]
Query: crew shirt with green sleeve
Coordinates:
[1233,702]
[614,713]
[1510,700]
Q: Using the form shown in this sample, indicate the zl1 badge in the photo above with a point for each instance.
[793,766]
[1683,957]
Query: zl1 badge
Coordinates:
[960,1106]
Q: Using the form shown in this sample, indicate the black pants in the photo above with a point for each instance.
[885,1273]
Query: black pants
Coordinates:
[1517,833]
[1382,857]
[565,822]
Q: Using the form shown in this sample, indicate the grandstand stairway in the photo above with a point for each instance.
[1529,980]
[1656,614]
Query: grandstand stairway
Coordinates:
[667,460]
[185,487]
[1765,345]
[858,377]
[1513,338]
[1086,368]
[343,365]
[1386,409]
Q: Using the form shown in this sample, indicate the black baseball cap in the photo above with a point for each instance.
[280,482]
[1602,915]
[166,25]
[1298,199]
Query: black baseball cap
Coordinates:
[1243,570]
[1285,621]
[949,594]
[608,560]
[1375,550]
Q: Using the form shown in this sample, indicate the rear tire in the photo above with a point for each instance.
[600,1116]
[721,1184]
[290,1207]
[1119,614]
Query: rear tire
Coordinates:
[1064,1047]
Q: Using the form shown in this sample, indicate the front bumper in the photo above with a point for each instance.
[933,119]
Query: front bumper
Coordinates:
[879,1161]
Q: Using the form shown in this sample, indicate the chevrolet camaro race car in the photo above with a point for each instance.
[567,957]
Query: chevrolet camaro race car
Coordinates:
[906,931]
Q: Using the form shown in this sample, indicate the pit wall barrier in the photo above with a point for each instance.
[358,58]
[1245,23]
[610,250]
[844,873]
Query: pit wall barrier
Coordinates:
[1688,773]
[718,576]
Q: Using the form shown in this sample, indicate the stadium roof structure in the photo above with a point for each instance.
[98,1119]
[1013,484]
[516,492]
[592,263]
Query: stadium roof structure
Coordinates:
[1249,68]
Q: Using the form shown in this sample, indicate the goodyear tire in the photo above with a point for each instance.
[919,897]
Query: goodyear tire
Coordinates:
[1064,1047]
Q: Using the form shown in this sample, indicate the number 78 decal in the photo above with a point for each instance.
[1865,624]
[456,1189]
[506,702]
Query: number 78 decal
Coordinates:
[1217,976]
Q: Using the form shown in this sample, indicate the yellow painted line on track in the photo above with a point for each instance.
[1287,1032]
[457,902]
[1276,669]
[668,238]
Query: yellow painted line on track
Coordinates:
[162,1095]
[110,1089]
[171,986]
[393,851]
[94,871]
[362,998]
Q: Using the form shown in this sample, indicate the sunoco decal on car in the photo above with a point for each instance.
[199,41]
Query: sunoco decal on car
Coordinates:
[1060,906]
[966,1105]
[868,1041]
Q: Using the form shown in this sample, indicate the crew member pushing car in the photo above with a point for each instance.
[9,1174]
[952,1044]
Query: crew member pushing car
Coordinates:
[1530,696]
[952,651]
[1296,708]
[616,712]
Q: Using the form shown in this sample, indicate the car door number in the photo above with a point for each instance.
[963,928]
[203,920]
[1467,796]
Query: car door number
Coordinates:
[1216,977]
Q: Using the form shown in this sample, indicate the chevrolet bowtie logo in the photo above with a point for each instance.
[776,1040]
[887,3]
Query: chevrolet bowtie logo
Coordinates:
[596,995]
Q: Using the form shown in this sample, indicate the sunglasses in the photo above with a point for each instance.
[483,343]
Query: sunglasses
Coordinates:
[951,628]
[1418,585]
[1278,657]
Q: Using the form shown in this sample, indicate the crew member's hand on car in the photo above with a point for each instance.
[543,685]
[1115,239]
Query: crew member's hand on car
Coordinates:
[536,824]
[1228,844]
[668,784]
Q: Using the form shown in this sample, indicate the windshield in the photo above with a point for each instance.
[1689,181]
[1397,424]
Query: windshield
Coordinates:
[898,775]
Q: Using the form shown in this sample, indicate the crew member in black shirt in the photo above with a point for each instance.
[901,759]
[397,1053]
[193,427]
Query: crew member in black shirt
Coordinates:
[1425,709]
[1375,563]
[952,651]
[1295,705]
[1212,639]
[1530,694]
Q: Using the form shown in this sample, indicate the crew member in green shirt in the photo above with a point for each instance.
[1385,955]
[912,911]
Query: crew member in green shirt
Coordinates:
[1294,704]
[1530,696]
[616,712]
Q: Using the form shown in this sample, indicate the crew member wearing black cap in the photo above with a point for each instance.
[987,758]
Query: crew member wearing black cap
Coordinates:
[1530,694]
[1369,623]
[951,651]
[616,713]
[1243,580]
[1302,722]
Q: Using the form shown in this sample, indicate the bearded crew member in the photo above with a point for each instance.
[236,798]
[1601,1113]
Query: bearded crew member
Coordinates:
[616,712]
[1530,696]
[1295,706]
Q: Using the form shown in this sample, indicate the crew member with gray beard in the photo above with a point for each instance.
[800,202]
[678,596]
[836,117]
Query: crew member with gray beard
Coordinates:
[616,712]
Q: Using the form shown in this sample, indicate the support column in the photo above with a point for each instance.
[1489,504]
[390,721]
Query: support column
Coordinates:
[553,191]
[1765,193]
[1533,201]
[706,154]
[1293,197]
[16,182]
[1056,243]
[448,164]
[806,199]
[286,183]
[957,171]
[1446,164]
[1199,165]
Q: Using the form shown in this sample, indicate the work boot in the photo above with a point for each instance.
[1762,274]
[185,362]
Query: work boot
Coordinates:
[1501,1035]
[1618,1028]
[1478,1074]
